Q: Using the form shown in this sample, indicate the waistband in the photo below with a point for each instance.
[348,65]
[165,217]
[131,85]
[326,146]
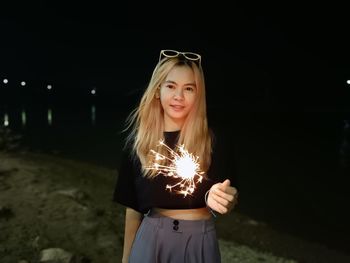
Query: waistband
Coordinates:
[179,225]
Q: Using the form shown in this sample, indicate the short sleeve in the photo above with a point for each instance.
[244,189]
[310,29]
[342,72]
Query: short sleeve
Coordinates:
[125,190]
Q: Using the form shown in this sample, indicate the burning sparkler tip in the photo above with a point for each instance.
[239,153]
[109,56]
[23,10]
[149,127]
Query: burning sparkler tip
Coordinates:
[183,165]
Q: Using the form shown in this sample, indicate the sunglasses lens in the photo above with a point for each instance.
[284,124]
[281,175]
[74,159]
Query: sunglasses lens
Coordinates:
[191,56]
[170,53]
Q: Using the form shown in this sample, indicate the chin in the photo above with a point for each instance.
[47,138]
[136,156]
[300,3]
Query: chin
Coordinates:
[177,118]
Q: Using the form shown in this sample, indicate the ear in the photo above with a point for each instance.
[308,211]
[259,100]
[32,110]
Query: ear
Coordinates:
[157,95]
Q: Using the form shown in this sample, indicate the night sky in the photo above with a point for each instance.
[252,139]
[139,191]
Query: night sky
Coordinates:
[285,57]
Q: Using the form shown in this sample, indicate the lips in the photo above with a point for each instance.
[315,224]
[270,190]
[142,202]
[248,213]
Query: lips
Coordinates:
[177,107]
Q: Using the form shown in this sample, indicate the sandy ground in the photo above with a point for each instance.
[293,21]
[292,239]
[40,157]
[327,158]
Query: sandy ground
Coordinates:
[58,210]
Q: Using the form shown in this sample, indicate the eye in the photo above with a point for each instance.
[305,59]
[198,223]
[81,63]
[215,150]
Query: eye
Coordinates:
[169,86]
[191,89]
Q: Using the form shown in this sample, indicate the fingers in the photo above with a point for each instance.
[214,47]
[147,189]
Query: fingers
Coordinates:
[224,197]
[226,183]
[218,206]
[227,192]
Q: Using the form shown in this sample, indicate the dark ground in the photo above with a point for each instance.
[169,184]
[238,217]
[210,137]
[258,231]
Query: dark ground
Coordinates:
[50,202]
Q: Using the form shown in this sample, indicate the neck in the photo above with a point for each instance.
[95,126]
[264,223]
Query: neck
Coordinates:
[172,125]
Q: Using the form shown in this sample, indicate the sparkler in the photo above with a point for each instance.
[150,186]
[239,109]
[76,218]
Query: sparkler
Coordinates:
[182,165]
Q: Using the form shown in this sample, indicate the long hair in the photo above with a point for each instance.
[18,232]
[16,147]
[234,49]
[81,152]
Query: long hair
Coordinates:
[146,121]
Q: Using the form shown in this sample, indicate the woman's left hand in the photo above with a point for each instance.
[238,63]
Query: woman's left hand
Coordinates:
[222,197]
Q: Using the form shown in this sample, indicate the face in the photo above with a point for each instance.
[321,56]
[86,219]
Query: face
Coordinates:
[177,96]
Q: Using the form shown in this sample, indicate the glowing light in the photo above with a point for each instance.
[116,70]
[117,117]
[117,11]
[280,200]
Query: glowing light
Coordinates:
[49,87]
[5,81]
[183,166]
[24,117]
[93,91]
[23,83]
[93,114]
[49,117]
[6,120]
[348,81]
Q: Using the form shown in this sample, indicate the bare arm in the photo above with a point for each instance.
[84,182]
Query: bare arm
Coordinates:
[132,223]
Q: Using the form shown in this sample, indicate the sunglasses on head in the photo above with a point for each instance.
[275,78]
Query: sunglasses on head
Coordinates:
[168,53]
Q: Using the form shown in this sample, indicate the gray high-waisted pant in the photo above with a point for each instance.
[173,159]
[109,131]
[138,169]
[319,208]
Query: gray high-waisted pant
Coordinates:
[162,239]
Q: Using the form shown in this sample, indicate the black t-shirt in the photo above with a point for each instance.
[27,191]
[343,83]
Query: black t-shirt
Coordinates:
[141,194]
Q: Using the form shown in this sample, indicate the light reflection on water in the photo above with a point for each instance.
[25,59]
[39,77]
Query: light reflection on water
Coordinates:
[6,120]
[93,114]
[22,117]
[49,117]
[86,132]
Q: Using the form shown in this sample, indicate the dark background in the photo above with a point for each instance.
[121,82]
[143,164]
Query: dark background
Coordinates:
[284,56]
[276,82]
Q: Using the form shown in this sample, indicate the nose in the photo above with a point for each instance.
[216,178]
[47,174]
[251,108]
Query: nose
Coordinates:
[179,95]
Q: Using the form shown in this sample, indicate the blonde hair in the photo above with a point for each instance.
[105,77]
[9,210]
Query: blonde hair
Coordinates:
[149,116]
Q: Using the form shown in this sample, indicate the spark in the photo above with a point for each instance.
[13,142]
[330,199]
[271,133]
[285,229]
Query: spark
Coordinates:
[182,165]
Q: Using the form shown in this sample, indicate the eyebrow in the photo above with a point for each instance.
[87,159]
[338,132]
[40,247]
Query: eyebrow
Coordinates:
[187,84]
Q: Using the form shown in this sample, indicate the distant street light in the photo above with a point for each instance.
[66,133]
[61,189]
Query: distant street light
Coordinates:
[5,81]
[49,87]
[23,83]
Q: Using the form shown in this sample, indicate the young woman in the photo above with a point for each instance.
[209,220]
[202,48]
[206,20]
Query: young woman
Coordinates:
[162,225]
